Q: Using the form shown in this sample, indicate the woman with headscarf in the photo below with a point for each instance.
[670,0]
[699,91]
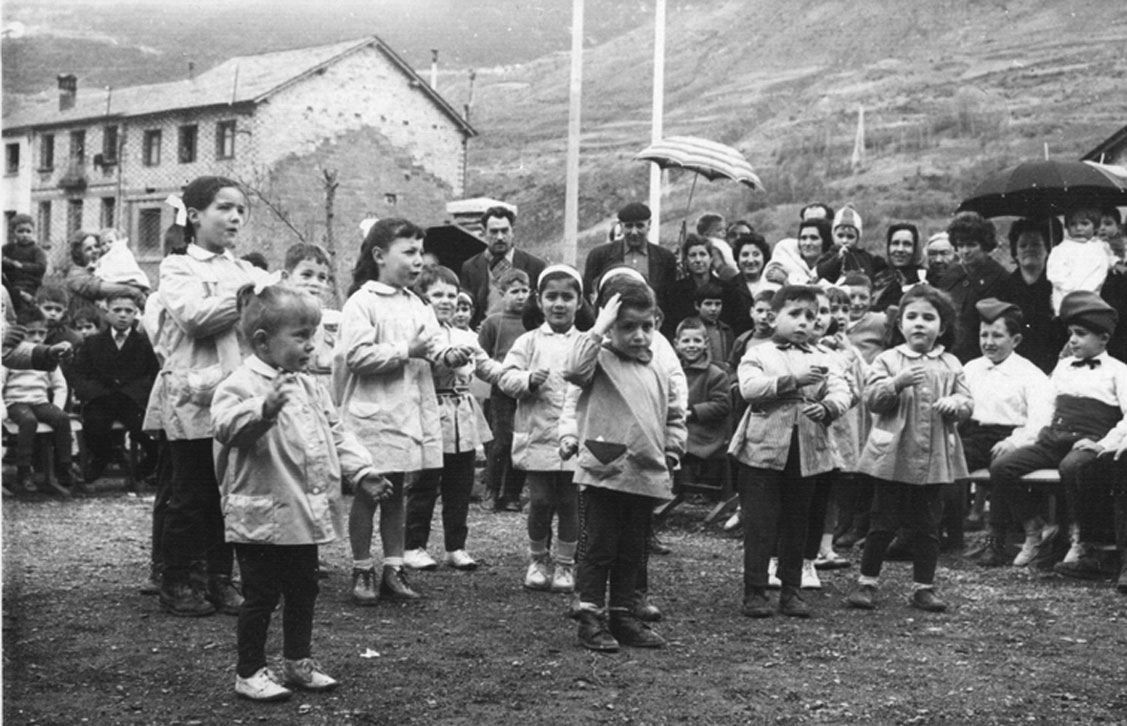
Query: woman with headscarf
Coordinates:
[902,245]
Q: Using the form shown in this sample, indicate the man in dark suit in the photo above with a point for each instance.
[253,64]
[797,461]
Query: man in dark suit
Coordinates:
[481,272]
[657,264]
[113,374]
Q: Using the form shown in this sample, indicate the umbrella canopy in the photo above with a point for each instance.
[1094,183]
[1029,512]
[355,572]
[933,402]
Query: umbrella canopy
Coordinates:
[1046,188]
[707,158]
[453,244]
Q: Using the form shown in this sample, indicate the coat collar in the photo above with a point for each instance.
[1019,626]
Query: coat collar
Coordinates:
[261,367]
[382,288]
[907,352]
[199,253]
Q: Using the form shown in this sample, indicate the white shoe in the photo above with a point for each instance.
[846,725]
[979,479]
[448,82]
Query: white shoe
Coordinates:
[773,581]
[563,578]
[461,560]
[1075,552]
[419,559]
[1029,549]
[810,580]
[830,560]
[261,687]
[307,675]
[734,522]
[539,575]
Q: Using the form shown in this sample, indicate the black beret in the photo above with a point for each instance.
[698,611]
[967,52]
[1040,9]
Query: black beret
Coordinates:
[991,308]
[634,212]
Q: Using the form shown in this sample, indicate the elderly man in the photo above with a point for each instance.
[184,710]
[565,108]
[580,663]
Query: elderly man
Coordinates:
[481,272]
[940,256]
[657,264]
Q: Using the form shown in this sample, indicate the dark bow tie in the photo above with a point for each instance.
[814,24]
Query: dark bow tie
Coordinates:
[1092,363]
[797,346]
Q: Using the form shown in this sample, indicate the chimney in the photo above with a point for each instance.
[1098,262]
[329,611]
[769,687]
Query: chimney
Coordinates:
[68,90]
[434,68]
[191,70]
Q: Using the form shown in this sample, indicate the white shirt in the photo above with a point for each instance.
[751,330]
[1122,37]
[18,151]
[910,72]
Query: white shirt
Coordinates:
[1077,265]
[1106,383]
[1012,393]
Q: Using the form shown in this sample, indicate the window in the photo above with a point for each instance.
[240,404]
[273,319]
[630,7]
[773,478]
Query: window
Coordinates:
[149,231]
[11,158]
[43,226]
[187,145]
[225,140]
[150,148]
[47,151]
[109,212]
[78,147]
[109,145]
[74,216]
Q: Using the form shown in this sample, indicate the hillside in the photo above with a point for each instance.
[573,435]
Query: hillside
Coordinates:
[952,89]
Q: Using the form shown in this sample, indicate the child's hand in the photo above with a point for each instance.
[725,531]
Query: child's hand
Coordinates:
[607,315]
[60,352]
[1087,445]
[1116,452]
[913,376]
[1000,449]
[420,344]
[376,486]
[671,463]
[569,447]
[277,397]
[947,406]
[776,274]
[14,335]
[537,378]
[815,412]
[456,357]
[812,374]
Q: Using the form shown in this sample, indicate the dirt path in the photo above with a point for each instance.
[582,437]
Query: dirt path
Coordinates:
[80,646]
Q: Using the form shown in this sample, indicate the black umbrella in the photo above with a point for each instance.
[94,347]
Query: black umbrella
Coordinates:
[1045,188]
[453,244]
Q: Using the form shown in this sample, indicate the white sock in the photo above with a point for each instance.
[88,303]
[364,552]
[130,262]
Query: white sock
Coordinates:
[368,564]
[393,561]
[866,580]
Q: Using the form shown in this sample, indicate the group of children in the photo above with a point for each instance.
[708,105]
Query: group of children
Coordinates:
[269,406]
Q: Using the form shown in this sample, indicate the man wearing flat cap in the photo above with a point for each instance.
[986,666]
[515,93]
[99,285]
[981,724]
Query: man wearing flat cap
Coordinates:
[657,264]
[1088,418]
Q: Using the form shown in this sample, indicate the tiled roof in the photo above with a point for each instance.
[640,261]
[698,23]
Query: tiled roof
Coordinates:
[242,79]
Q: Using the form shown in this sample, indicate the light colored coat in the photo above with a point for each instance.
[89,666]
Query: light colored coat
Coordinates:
[536,425]
[464,427]
[629,418]
[200,336]
[909,442]
[387,398]
[280,479]
[768,382]
[849,433]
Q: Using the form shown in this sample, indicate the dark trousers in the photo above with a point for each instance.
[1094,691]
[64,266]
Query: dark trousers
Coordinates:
[816,519]
[776,505]
[161,498]
[98,417]
[455,479]
[915,510]
[612,545]
[28,416]
[854,494]
[1101,487]
[1009,492]
[505,483]
[271,572]
[193,523]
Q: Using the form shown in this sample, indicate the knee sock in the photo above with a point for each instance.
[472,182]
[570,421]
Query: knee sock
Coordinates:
[565,552]
[538,549]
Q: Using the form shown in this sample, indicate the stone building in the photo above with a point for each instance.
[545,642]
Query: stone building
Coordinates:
[283,124]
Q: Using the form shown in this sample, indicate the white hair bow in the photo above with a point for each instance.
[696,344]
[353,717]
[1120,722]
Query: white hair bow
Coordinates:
[181,211]
[267,280]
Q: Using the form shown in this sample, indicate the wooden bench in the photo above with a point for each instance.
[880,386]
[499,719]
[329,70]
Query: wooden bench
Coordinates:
[47,448]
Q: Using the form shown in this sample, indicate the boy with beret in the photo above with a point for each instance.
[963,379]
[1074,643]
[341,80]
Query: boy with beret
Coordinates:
[1011,403]
[1088,416]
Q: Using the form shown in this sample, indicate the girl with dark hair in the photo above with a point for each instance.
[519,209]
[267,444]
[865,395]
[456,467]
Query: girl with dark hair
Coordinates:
[389,339]
[202,345]
[696,262]
[752,254]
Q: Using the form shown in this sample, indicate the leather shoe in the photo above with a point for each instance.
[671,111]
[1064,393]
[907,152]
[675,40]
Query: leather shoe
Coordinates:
[657,547]
[791,603]
[629,630]
[593,632]
[993,552]
[926,600]
[645,610]
[862,597]
[756,605]
[222,593]
[1085,568]
[183,600]
[1121,585]
[394,585]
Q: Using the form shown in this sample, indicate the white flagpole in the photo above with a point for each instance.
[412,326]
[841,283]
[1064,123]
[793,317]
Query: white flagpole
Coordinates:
[569,250]
[658,118]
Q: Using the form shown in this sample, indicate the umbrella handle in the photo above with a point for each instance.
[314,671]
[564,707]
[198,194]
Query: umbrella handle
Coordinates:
[692,189]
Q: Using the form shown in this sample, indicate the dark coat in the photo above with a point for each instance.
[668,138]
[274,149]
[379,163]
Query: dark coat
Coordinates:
[475,278]
[1043,336]
[710,408]
[832,266]
[662,264]
[990,279]
[100,369]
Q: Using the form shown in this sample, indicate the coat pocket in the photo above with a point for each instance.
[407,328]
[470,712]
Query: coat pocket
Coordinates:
[602,458]
[249,518]
[196,386]
[881,438]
